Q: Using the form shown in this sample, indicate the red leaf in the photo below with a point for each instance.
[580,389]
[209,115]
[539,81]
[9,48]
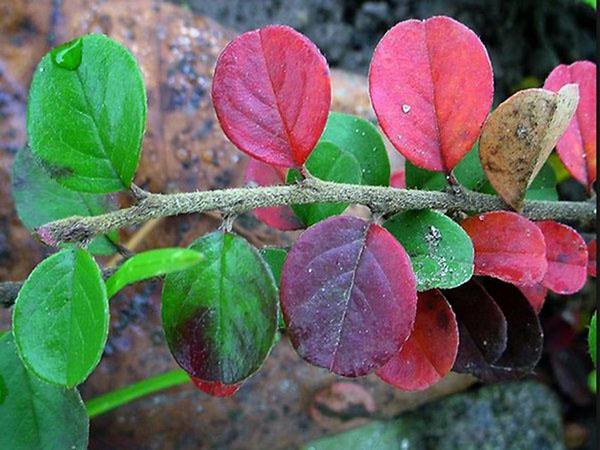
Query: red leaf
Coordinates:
[429,353]
[507,246]
[431,85]
[535,295]
[398,179]
[280,217]
[272,92]
[348,295]
[567,257]
[215,388]
[592,258]
[577,146]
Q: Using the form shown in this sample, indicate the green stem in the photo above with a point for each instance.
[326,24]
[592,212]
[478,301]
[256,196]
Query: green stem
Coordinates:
[114,399]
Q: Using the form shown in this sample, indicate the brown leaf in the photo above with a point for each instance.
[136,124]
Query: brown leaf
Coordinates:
[519,135]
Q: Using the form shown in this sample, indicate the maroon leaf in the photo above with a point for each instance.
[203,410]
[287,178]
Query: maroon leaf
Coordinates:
[271,91]
[429,353]
[481,328]
[431,86]
[535,294]
[525,338]
[280,217]
[567,257]
[348,295]
[507,246]
[215,388]
[577,147]
[592,258]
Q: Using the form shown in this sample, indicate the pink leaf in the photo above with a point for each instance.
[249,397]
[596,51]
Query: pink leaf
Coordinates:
[592,258]
[535,295]
[215,388]
[348,295]
[398,179]
[577,146]
[280,217]
[271,91]
[507,246]
[431,85]
[567,256]
[429,353]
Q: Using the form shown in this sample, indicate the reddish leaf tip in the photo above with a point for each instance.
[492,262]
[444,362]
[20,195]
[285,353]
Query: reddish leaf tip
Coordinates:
[214,388]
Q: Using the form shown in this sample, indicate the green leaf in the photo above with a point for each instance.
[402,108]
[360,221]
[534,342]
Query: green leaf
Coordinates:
[275,257]
[39,199]
[592,338]
[326,162]
[151,263]
[60,318]
[376,435]
[543,186]
[34,414]
[85,121]
[440,251]
[470,174]
[417,178]
[220,316]
[361,139]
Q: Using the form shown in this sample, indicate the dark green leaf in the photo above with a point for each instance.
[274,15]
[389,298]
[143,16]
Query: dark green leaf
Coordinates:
[543,186]
[275,257]
[35,415]
[360,138]
[39,200]
[148,264]
[326,162]
[592,338]
[60,318]
[417,178]
[85,121]
[220,316]
[440,251]
[470,174]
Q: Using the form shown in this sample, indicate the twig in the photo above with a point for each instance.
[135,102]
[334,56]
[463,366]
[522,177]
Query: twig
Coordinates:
[238,200]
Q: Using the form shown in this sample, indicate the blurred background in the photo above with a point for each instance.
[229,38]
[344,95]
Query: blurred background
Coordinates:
[289,404]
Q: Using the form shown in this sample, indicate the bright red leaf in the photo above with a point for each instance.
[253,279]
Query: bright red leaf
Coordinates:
[215,388]
[592,258]
[431,85]
[348,295]
[280,217]
[567,257]
[272,92]
[577,147]
[429,353]
[507,246]
[535,295]
[398,179]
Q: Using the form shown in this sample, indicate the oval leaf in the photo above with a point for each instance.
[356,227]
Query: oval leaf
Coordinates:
[280,217]
[431,86]
[329,163]
[429,353]
[216,389]
[507,246]
[348,295]
[519,135]
[60,319]
[272,92]
[148,264]
[525,338]
[592,258]
[86,121]
[274,257]
[536,295]
[481,328]
[361,139]
[220,316]
[577,146]
[567,257]
[36,415]
[440,251]
[39,199]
